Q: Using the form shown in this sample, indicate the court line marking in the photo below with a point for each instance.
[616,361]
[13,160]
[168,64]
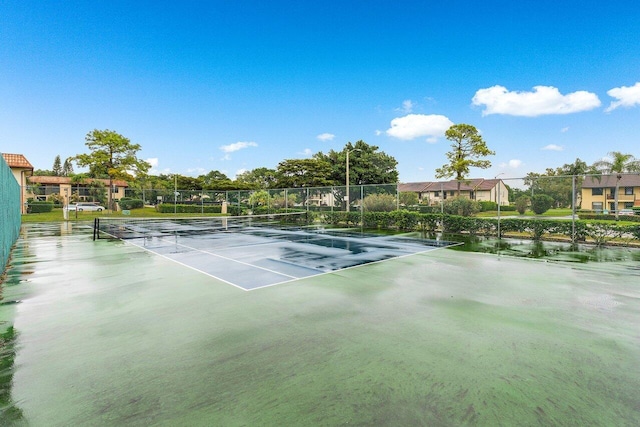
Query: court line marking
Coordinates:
[431,249]
[234,260]
[292,278]
[183,264]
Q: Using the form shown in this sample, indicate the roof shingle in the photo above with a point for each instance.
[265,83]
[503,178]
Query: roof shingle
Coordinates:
[17,161]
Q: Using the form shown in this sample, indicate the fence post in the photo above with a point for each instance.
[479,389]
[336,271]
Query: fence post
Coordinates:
[573,209]
[361,205]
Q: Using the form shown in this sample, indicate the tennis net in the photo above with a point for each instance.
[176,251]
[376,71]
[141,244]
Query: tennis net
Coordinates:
[132,228]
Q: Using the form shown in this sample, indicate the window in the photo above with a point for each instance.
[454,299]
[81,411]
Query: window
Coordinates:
[628,205]
[628,191]
[596,206]
[596,191]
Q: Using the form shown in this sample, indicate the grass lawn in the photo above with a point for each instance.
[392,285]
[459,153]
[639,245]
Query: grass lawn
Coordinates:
[57,215]
[549,213]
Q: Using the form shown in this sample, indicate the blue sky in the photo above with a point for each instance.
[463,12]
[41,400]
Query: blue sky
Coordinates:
[235,85]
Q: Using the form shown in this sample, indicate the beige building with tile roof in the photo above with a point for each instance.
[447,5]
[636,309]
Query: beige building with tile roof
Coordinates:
[480,189]
[21,169]
[40,187]
[599,194]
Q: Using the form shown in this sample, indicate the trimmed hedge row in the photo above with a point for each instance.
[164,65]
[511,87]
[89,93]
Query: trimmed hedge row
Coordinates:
[609,217]
[40,207]
[127,204]
[170,208]
[599,232]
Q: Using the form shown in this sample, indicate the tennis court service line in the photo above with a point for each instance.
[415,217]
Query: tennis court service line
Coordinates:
[231,259]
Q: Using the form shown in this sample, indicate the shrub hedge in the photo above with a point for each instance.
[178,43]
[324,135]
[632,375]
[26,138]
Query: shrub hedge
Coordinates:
[170,208]
[609,217]
[599,232]
[40,207]
[128,203]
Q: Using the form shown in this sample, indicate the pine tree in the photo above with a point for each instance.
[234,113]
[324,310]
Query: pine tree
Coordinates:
[67,168]
[57,166]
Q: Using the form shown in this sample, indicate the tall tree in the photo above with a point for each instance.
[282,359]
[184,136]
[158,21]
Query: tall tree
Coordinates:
[113,155]
[303,173]
[467,148]
[67,167]
[57,166]
[367,165]
[558,183]
[617,163]
[258,178]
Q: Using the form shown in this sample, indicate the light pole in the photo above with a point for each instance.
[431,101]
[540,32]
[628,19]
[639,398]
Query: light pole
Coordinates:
[348,152]
[499,191]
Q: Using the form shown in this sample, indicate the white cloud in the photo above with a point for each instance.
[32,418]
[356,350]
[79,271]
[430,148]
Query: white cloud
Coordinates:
[407,106]
[626,97]
[326,136]
[543,100]
[154,162]
[239,172]
[237,146]
[564,129]
[379,132]
[196,171]
[413,126]
[306,152]
[515,163]
[552,147]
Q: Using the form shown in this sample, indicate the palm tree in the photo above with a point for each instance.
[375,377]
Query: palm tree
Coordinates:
[618,163]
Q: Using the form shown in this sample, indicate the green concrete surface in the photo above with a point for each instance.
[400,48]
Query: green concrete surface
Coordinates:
[105,333]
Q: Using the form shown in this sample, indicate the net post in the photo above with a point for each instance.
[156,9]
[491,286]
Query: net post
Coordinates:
[96,226]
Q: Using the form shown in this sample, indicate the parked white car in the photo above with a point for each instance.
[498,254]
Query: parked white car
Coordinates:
[85,206]
[626,212]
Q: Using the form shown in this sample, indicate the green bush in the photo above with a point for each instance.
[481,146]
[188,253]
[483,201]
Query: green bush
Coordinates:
[171,208]
[508,208]
[40,207]
[487,206]
[461,206]
[408,198]
[598,232]
[425,209]
[405,220]
[377,220]
[522,203]
[609,217]
[128,203]
[540,203]
[379,203]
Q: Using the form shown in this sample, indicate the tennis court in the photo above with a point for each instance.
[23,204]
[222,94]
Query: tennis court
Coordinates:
[107,333]
[253,252]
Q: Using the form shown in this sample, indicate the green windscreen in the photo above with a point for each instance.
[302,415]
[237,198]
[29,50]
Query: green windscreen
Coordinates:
[9,212]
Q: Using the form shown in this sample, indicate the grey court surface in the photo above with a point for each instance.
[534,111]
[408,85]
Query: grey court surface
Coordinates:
[254,257]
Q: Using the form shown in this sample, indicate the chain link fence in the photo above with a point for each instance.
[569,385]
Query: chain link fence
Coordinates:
[357,198]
